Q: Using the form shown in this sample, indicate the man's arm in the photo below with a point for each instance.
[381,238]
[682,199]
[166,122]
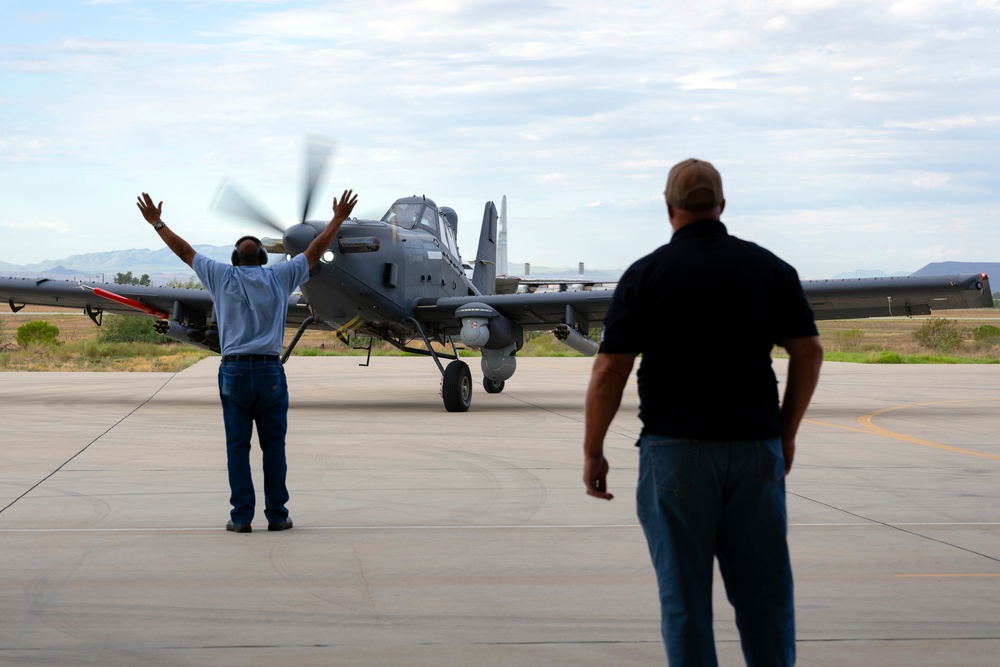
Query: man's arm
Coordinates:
[805,356]
[152,215]
[341,211]
[604,395]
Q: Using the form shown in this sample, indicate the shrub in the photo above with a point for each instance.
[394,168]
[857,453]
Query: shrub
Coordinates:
[884,357]
[190,283]
[849,340]
[939,334]
[130,329]
[986,334]
[38,332]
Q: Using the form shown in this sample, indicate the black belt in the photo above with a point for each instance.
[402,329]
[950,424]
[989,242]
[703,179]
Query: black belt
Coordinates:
[250,357]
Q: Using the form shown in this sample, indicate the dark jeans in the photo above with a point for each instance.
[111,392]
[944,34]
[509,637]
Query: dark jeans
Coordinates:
[698,500]
[255,391]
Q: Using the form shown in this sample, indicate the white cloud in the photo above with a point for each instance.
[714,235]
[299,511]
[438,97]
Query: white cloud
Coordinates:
[934,124]
[850,109]
[717,80]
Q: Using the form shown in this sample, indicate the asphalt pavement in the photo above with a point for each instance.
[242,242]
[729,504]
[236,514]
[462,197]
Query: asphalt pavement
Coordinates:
[431,538]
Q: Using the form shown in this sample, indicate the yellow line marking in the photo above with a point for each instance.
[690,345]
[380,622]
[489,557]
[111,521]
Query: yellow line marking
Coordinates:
[866,421]
[840,426]
[869,427]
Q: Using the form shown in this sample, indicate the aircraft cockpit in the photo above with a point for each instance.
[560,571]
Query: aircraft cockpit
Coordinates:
[412,213]
[422,213]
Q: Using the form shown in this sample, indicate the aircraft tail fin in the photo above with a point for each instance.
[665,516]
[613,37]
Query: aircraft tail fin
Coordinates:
[484,275]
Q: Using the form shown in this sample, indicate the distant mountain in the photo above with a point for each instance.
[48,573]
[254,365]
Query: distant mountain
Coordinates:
[161,265]
[946,268]
[599,275]
[560,273]
[867,273]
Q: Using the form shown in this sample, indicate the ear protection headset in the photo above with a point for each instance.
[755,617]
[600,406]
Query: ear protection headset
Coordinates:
[261,253]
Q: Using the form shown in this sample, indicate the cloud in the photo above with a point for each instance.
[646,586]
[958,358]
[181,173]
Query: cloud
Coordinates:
[849,109]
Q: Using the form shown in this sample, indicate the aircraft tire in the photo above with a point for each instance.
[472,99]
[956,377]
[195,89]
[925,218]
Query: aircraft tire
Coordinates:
[492,387]
[456,387]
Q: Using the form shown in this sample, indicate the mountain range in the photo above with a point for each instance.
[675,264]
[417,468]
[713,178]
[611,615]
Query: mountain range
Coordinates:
[162,266]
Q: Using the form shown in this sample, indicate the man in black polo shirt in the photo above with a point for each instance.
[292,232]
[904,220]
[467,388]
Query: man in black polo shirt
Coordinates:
[705,311]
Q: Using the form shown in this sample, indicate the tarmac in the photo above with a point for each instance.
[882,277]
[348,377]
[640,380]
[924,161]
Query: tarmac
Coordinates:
[431,538]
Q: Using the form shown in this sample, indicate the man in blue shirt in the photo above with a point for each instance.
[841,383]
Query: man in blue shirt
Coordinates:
[251,303]
[715,445]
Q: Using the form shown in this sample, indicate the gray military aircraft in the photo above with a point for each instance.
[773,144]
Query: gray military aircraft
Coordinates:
[401,279]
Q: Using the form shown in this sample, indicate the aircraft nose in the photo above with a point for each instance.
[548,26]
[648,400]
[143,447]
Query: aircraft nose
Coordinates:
[298,237]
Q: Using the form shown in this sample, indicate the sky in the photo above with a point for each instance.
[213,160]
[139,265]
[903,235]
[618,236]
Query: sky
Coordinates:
[851,135]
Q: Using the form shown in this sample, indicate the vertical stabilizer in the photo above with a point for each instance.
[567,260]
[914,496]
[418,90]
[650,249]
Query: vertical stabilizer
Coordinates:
[502,244]
[484,275]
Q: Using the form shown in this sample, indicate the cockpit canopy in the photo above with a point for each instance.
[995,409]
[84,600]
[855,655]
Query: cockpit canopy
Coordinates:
[413,212]
[422,213]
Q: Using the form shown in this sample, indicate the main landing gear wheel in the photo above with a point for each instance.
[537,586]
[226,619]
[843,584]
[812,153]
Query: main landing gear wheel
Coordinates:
[492,387]
[456,387]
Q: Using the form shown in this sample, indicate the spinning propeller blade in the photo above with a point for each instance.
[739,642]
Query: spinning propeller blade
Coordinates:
[232,200]
[318,152]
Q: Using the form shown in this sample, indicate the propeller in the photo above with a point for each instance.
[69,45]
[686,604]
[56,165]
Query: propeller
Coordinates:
[318,152]
[231,199]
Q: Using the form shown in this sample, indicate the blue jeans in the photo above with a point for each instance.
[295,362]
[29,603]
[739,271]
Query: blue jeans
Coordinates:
[698,500]
[255,392]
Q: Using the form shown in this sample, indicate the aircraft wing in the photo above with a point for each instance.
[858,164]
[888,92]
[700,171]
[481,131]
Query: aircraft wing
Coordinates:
[541,310]
[189,306]
[855,298]
[858,298]
[830,299]
[73,294]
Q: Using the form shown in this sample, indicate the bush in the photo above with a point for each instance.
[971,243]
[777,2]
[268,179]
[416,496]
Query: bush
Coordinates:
[190,283]
[986,334]
[38,332]
[939,334]
[884,357]
[849,340]
[130,329]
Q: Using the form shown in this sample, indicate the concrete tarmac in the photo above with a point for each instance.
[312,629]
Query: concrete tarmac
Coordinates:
[428,538]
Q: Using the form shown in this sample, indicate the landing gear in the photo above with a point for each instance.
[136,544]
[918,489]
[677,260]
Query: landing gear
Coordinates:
[456,387]
[492,387]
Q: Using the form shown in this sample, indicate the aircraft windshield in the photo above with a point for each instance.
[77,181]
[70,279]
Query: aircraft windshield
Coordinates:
[409,216]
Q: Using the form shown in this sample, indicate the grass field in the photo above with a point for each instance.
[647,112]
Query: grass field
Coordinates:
[886,340]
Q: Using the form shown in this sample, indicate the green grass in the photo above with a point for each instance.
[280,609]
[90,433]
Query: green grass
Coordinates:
[848,344]
[891,357]
[92,355]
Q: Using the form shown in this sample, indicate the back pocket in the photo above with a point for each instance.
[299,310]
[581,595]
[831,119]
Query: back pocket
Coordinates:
[675,463]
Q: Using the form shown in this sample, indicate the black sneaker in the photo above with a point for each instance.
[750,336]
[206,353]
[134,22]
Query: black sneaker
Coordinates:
[240,527]
[284,524]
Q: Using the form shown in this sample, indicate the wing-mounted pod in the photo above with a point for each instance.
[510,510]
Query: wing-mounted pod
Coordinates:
[207,339]
[186,325]
[570,333]
[498,337]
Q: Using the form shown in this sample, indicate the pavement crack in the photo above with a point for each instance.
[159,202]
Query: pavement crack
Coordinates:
[899,528]
[87,446]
